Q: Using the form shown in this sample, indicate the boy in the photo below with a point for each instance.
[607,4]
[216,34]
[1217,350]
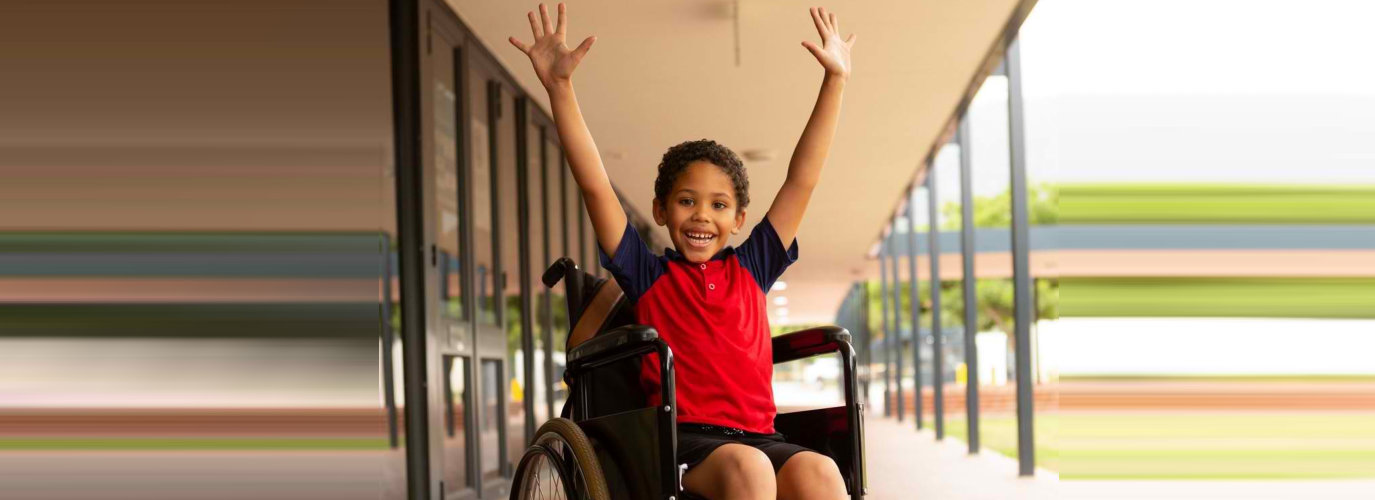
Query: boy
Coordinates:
[707,299]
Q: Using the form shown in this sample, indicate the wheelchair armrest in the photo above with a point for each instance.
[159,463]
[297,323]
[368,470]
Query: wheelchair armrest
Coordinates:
[810,342]
[822,340]
[611,343]
[622,343]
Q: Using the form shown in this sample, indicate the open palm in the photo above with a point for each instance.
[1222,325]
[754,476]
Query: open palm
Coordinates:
[553,61]
[833,54]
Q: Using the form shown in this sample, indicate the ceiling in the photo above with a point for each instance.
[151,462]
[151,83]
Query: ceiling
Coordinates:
[662,73]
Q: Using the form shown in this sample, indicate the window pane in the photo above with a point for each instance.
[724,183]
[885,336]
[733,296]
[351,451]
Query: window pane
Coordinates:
[489,432]
[537,262]
[508,283]
[480,189]
[456,406]
[573,208]
[558,244]
[446,192]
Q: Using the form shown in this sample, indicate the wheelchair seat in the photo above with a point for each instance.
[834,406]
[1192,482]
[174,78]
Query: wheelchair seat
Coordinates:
[635,446]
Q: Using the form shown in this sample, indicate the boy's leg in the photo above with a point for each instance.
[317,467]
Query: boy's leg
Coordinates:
[733,471]
[810,475]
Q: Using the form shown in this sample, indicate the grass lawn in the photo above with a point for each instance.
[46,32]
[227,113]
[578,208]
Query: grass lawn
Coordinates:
[1191,445]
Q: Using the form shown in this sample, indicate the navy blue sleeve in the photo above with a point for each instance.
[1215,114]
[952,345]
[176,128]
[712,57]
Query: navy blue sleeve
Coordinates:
[634,266]
[764,256]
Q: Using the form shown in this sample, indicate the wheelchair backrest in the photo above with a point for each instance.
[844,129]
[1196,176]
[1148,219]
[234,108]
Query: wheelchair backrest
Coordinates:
[596,305]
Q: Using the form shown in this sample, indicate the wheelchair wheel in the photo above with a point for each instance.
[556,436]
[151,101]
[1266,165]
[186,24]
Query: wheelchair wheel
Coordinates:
[561,464]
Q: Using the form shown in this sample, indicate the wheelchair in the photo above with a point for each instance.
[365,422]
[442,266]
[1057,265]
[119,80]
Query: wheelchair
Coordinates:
[610,444]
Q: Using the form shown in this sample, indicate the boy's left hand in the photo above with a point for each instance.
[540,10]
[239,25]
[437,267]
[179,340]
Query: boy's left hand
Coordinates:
[834,54]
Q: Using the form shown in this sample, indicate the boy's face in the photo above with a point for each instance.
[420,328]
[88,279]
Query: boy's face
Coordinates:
[700,212]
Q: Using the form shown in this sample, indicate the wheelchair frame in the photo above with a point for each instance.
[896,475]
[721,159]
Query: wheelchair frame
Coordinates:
[649,434]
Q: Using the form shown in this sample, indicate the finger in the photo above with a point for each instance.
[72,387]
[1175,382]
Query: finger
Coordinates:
[519,45]
[563,20]
[816,51]
[584,47]
[849,42]
[820,26]
[544,19]
[834,25]
[534,27]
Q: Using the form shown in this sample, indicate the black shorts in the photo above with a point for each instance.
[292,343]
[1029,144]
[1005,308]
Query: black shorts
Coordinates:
[696,441]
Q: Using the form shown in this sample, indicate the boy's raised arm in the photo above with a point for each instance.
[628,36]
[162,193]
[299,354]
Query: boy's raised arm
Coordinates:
[810,155]
[554,64]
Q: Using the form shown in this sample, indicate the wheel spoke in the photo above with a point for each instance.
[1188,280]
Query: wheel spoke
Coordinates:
[543,479]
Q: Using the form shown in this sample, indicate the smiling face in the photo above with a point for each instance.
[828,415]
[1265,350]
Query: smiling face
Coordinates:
[700,211]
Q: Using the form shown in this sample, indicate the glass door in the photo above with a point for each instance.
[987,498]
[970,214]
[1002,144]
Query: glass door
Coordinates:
[452,350]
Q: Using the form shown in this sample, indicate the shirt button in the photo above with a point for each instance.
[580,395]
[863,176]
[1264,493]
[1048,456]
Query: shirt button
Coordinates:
[704,267]
[711,286]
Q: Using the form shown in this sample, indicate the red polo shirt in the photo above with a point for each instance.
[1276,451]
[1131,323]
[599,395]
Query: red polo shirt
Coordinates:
[714,317]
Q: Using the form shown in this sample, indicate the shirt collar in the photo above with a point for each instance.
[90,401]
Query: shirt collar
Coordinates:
[721,255]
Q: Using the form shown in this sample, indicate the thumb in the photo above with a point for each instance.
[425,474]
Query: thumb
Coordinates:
[812,47]
[584,47]
[851,40]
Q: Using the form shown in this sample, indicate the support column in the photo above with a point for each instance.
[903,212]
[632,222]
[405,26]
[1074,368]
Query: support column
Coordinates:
[897,322]
[1021,275]
[937,336]
[867,352]
[404,27]
[887,332]
[916,303]
[971,302]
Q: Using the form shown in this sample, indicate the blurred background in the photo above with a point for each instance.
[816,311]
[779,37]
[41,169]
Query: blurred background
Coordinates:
[1156,278]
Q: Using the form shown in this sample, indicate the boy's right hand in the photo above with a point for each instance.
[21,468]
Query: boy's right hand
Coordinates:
[553,62]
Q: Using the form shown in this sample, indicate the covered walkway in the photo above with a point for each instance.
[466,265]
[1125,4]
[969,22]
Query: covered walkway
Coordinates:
[905,464]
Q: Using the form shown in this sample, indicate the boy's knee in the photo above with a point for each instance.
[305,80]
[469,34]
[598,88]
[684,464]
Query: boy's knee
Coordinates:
[812,472]
[750,470]
[820,465]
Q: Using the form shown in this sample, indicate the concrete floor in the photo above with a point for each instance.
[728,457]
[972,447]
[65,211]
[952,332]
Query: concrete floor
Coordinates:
[905,464]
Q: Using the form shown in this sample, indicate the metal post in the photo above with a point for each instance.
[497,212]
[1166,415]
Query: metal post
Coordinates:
[937,335]
[1021,275]
[887,332]
[916,304]
[971,312]
[404,21]
[862,317]
[527,296]
[900,403]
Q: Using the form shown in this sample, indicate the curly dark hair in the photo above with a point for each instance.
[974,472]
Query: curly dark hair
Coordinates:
[677,158]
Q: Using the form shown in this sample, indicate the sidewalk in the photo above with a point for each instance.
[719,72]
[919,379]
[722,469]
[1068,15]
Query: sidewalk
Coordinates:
[904,464]
[1220,490]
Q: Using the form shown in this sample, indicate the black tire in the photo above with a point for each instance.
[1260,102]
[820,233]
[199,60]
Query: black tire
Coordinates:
[561,458]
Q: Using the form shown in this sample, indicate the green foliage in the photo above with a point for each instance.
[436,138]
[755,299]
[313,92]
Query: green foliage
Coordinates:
[775,330]
[560,313]
[996,211]
[994,296]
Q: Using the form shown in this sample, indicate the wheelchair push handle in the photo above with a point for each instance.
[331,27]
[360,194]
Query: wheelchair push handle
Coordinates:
[557,271]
